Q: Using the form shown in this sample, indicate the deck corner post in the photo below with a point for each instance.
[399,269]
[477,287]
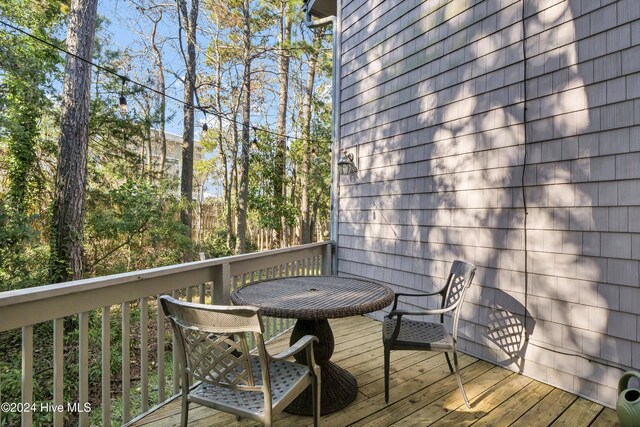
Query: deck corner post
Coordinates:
[327,262]
[222,284]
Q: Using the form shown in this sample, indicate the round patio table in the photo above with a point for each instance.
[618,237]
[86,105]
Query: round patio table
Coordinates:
[312,300]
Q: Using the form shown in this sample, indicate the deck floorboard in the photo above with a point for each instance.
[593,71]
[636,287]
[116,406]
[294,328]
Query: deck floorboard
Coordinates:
[422,393]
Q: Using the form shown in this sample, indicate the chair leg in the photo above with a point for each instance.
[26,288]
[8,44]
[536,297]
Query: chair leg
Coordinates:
[459,378]
[387,357]
[184,419]
[448,362]
[316,394]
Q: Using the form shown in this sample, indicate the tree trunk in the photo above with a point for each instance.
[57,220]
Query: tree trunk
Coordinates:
[234,174]
[189,23]
[71,173]
[223,154]
[243,195]
[161,85]
[305,223]
[284,40]
[148,137]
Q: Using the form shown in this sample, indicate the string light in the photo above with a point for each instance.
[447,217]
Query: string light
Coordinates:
[205,127]
[123,100]
[254,143]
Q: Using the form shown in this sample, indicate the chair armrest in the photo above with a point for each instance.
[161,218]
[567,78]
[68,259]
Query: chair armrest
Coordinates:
[421,294]
[301,344]
[401,313]
[418,295]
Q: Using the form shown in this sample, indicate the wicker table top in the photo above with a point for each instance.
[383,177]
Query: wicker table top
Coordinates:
[314,297]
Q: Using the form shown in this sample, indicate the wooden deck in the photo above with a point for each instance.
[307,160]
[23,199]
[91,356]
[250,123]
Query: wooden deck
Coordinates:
[423,392]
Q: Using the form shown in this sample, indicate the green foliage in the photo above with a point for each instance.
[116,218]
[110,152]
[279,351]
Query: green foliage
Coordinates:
[132,218]
[214,244]
[22,257]
[264,171]
[27,70]
[133,226]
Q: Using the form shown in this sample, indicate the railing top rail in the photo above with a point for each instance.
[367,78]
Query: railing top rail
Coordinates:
[88,294]
[48,291]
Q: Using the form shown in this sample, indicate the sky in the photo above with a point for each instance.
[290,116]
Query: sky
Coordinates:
[125,29]
[121,16]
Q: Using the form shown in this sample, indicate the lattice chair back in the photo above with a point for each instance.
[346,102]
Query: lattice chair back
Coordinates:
[460,277]
[214,344]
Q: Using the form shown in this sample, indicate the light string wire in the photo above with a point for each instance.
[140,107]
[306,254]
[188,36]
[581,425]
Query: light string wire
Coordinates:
[530,341]
[205,110]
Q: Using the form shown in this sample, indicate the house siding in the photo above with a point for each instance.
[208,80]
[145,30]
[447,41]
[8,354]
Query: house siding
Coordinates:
[432,106]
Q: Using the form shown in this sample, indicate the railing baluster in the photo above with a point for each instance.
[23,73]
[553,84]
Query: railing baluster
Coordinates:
[126,363]
[196,281]
[174,357]
[27,374]
[58,370]
[283,273]
[162,380]
[106,366]
[201,294]
[83,367]
[144,355]
[272,321]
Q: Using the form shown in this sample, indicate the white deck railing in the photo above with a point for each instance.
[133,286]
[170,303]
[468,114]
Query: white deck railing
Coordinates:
[208,281]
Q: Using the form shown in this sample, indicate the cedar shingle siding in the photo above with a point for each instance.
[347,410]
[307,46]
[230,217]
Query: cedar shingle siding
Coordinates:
[432,105]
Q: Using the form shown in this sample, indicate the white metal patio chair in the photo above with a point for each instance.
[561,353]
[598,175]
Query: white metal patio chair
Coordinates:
[399,333]
[218,370]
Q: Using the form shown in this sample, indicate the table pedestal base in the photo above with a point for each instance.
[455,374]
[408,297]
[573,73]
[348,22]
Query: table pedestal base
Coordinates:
[338,388]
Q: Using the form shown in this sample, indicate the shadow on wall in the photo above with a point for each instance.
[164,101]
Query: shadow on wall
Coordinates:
[441,172]
[506,328]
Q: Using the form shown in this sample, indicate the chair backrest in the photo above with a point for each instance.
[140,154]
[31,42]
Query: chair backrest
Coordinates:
[213,343]
[460,278]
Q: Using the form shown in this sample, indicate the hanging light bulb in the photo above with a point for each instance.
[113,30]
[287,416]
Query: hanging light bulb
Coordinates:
[123,100]
[205,127]
[254,142]
[123,104]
